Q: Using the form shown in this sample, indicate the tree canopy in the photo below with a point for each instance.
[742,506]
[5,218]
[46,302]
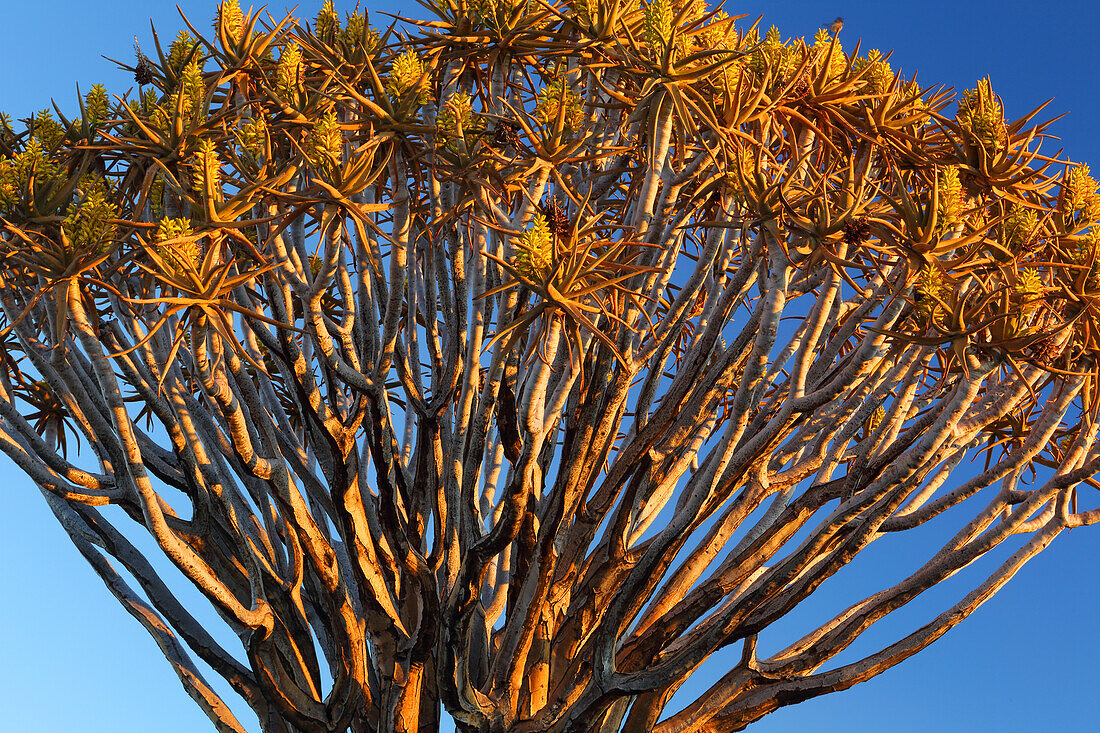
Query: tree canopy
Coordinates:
[519,360]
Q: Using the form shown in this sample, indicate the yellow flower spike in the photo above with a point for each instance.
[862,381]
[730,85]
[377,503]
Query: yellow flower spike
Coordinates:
[1080,191]
[160,117]
[1018,227]
[16,172]
[1085,253]
[231,20]
[327,23]
[252,136]
[96,105]
[658,22]
[172,229]
[86,225]
[1027,291]
[981,113]
[698,8]
[147,103]
[951,202]
[289,71]
[552,98]
[740,173]
[480,11]
[931,288]
[180,50]
[837,61]
[713,33]
[535,250]
[581,12]
[497,15]
[1092,208]
[177,254]
[407,79]
[8,191]
[47,130]
[1029,286]
[206,169]
[356,32]
[772,55]
[976,218]
[453,114]
[193,89]
[326,144]
[458,119]
[583,9]
[156,197]
[877,73]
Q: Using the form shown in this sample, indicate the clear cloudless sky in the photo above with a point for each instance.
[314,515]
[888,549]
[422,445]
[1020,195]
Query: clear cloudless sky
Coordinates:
[72,660]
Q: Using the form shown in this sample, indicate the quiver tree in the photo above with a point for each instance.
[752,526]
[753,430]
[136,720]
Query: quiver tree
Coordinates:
[519,360]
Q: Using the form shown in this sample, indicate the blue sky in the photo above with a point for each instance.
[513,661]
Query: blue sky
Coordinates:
[72,659]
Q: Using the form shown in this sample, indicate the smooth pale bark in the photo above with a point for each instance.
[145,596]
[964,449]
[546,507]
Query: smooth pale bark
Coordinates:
[524,411]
